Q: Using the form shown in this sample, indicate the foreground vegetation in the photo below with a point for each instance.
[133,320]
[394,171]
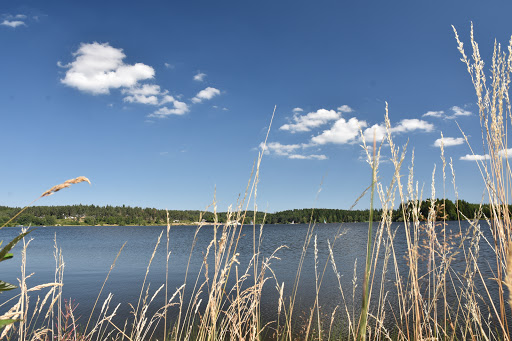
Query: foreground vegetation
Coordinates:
[124,215]
[434,300]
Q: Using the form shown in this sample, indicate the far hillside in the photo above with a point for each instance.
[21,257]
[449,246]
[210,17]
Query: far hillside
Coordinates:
[125,215]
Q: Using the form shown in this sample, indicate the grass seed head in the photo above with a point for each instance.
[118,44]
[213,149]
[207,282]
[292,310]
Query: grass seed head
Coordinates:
[65,184]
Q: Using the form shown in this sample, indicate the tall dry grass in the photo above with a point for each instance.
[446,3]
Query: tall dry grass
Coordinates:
[432,298]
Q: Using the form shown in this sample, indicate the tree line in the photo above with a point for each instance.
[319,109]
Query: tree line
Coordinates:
[126,215]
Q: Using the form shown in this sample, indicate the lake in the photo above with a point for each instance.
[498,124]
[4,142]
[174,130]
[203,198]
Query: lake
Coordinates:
[89,251]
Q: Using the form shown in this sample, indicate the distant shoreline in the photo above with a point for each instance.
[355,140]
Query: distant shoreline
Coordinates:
[205,224]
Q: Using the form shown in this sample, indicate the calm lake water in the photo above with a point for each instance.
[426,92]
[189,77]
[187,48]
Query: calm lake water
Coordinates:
[90,250]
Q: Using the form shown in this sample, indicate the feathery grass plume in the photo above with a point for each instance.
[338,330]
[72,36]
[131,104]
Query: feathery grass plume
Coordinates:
[65,184]
[494,110]
[361,335]
[3,255]
[49,192]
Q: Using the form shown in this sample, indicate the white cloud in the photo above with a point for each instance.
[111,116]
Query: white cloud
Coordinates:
[152,94]
[169,66]
[342,131]
[345,109]
[13,23]
[412,124]
[458,111]
[205,94]
[379,130]
[470,157]
[199,77]
[278,148]
[289,150]
[153,100]
[505,153]
[312,120]
[97,68]
[308,157]
[167,99]
[145,94]
[14,20]
[437,114]
[297,110]
[180,108]
[348,131]
[449,141]
[144,90]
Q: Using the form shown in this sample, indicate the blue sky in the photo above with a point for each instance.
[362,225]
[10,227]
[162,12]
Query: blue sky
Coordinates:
[159,103]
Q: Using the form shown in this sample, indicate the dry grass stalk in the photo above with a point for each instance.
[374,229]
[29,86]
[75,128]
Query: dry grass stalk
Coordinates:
[65,184]
[49,192]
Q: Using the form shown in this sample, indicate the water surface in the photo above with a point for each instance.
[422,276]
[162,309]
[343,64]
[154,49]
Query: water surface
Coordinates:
[89,251]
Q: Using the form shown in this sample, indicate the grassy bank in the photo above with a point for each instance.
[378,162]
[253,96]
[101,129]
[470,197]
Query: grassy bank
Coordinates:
[223,300]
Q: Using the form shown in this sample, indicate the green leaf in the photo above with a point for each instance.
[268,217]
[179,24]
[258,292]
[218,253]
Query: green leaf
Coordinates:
[9,246]
[4,286]
[5,322]
[8,256]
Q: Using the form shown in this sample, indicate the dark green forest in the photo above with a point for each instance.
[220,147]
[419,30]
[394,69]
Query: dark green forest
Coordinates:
[125,215]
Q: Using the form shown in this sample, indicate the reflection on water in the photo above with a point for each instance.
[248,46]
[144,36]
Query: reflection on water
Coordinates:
[89,251]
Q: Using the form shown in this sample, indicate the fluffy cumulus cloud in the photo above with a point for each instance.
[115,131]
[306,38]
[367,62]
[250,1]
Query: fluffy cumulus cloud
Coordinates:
[199,77]
[289,150]
[349,131]
[377,130]
[404,126]
[438,114]
[151,94]
[470,157]
[345,109]
[455,112]
[408,125]
[311,120]
[97,68]
[449,141]
[144,94]
[505,153]
[278,148]
[179,108]
[297,110]
[205,94]
[13,23]
[343,131]
[14,20]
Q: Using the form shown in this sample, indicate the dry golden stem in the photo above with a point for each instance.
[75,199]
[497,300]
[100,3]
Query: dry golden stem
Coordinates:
[65,184]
